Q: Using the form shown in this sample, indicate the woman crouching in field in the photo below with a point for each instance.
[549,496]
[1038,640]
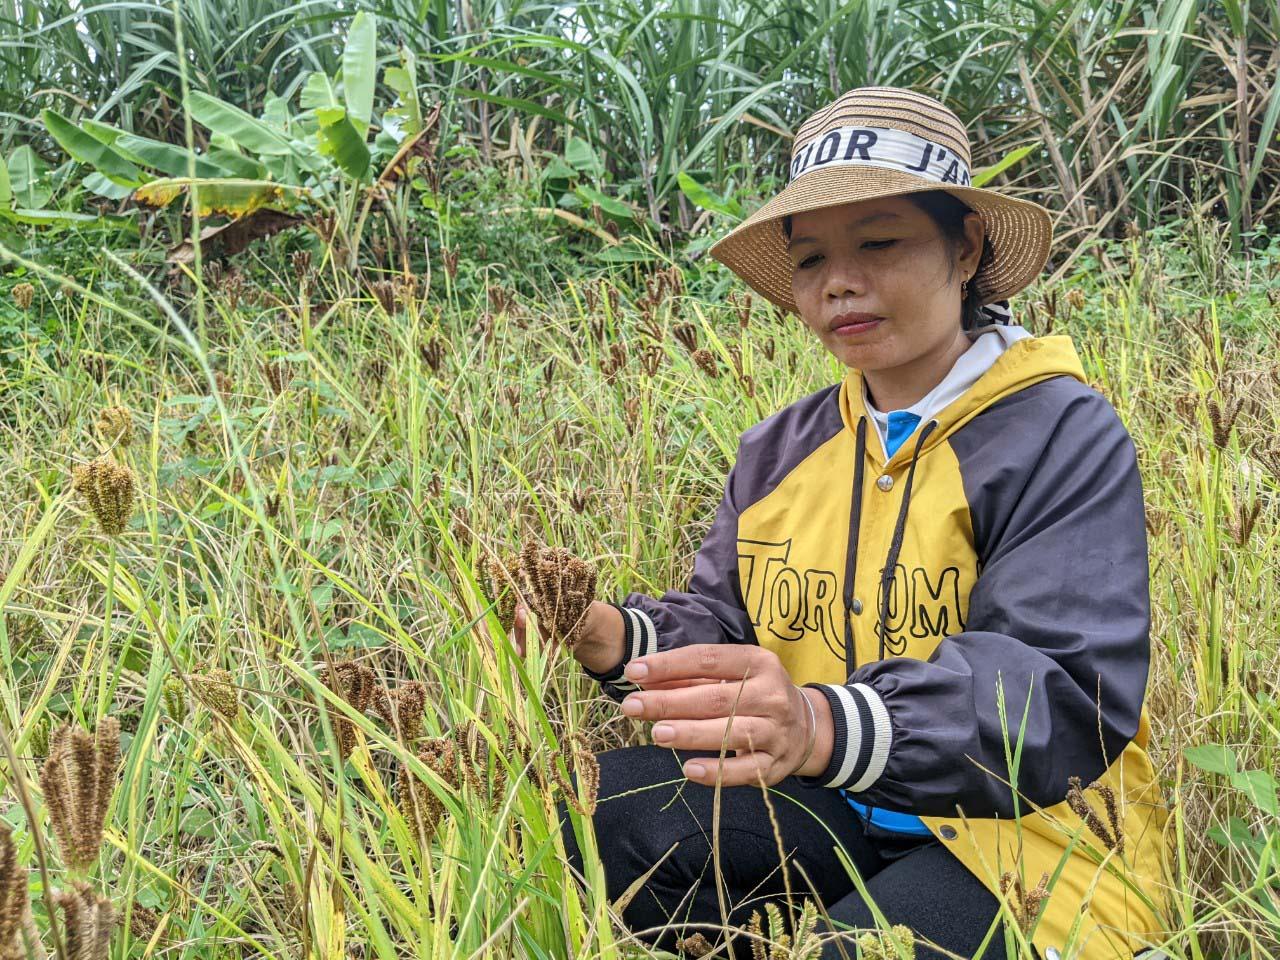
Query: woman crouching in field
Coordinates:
[921,611]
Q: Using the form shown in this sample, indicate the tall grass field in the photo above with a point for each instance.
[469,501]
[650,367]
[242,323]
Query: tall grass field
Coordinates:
[260,553]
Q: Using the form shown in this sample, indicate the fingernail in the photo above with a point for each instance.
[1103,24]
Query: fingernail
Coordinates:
[663,732]
[632,706]
[636,670]
[694,770]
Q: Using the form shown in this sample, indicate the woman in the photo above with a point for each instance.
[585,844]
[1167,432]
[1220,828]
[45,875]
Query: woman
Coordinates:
[923,598]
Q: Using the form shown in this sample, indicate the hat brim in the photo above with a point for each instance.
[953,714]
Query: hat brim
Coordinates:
[756,249]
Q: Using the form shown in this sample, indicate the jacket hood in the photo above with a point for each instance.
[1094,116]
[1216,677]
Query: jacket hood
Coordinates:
[1023,363]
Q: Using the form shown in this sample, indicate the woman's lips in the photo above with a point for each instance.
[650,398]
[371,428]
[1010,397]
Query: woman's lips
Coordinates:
[851,329]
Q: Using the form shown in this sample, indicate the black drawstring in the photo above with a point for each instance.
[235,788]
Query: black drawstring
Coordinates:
[891,562]
[851,565]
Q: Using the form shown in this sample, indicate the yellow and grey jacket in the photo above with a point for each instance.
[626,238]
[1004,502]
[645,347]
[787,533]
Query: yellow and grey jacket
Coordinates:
[978,597]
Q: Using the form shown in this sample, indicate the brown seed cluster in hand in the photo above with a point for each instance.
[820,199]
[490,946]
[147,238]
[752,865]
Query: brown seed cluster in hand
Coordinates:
[557,586]
[108,489]
[78,778]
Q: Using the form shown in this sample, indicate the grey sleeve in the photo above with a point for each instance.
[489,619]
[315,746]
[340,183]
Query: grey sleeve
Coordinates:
[1059,615]
[709,610]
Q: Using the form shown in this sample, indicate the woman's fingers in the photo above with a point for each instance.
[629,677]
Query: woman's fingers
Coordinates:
[745,734]
[746,769]
[679,684]
[701,701]
[520,628]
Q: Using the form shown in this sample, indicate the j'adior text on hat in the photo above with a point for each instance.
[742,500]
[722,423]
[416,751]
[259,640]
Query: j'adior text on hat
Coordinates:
[881,147]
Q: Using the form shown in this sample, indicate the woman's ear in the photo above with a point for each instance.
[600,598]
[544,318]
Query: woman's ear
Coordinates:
[971,247]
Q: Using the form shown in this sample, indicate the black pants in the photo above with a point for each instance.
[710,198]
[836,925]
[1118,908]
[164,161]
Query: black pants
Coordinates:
[913,880]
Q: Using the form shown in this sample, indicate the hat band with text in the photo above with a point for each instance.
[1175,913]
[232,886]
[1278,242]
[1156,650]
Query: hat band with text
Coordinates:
[881,147]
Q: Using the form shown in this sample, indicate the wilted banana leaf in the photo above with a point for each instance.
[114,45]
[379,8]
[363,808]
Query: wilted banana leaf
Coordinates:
[231,238]
[227,196]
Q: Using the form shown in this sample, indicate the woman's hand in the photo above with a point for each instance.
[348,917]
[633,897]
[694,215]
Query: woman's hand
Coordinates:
[753,697]
[601,642]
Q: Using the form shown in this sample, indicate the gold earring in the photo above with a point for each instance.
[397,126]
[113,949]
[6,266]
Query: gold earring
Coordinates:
[964,289]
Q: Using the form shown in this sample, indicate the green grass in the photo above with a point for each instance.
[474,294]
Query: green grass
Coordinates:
[345,515]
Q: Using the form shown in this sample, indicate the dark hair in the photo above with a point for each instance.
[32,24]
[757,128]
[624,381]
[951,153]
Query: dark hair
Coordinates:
[948,212]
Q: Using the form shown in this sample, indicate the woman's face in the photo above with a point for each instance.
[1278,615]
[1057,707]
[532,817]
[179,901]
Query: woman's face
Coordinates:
[887,258]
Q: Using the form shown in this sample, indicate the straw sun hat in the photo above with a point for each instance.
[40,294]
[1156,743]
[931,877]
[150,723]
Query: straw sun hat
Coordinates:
[883,142]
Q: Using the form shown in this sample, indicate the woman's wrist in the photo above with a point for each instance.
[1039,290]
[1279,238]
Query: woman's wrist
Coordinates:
[603,645]
[825,737]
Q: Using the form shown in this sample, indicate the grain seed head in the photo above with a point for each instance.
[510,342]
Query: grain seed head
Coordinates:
[108,489]
[401,709]
[88,920]
[216,689]
[418,803]
[23,294]
[115,424]
[1026,904]
[706,360]
[558,587]
[1110,833]
[879,944]
[356,684]
[15,903]
[78,778]
[587,770]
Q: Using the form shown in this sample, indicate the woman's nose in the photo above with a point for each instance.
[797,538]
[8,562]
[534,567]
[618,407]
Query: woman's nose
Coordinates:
[844,278]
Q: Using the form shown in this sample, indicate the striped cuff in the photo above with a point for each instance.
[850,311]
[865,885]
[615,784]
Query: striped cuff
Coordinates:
[862,737]
[640,637]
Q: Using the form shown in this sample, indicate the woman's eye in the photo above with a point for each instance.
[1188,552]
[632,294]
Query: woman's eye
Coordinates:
[870,244]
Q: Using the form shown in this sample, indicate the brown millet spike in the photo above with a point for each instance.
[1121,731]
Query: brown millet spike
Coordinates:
[88,921]
[14,901]
[694,946]
[107,743]
[78,779]
[402,709]
[56,786]
[418,804]
[355,683]
[108,489]
[115,424]
[217,690]
[1113,816]
[755,927]
[1077,802]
